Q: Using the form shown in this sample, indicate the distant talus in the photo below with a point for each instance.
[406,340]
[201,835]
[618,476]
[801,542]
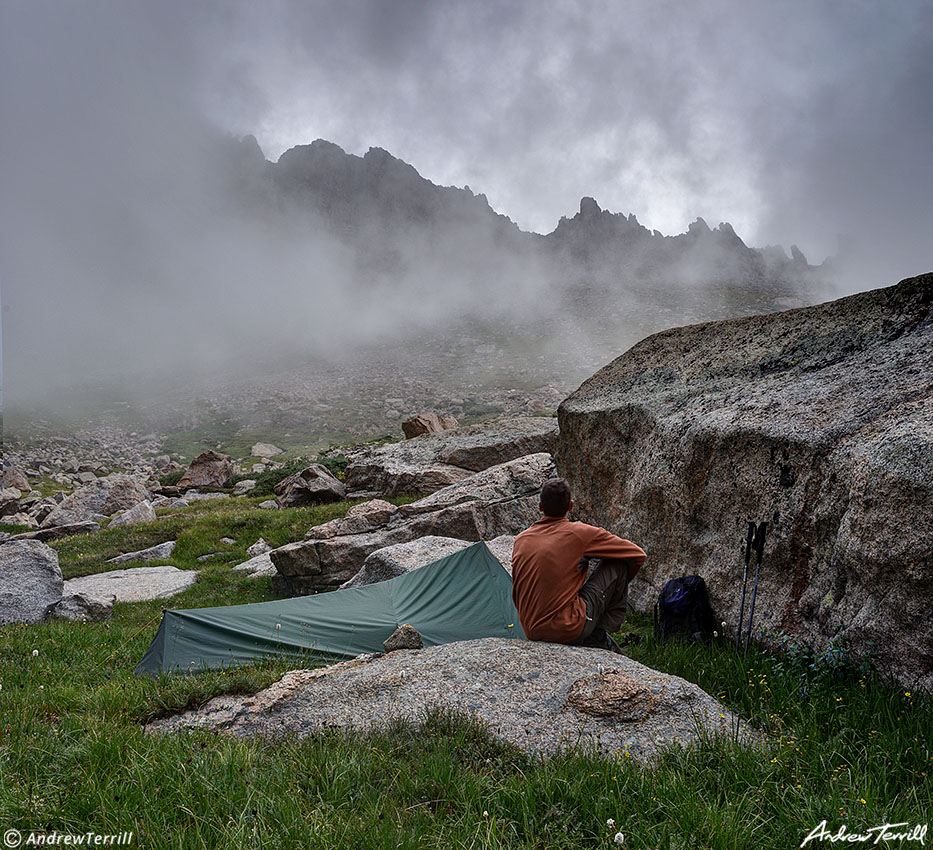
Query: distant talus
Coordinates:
[818,420]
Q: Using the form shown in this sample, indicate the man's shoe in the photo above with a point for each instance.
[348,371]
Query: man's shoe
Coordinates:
[599,639]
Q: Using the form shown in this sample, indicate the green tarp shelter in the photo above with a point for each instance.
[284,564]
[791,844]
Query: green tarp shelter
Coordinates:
[463,596]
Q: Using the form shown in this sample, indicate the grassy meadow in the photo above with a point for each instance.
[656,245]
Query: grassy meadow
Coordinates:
[840,744]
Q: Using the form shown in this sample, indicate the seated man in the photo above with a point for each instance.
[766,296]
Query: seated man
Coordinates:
[550,589]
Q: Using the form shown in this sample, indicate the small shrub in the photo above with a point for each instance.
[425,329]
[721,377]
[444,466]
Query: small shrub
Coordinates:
[265,481]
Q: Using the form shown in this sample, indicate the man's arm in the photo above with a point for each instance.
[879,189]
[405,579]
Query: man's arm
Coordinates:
[603,544]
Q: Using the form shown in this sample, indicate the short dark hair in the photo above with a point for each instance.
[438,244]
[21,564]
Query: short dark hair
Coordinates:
[555,497]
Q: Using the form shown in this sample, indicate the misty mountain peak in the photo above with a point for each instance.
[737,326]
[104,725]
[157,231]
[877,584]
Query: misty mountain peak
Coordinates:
[589,208]
[699,227]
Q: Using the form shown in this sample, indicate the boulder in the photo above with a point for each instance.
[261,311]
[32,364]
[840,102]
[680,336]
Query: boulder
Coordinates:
[57,532]
[432,461]
[818,421]
[427,423]
[208,469]
[500,500]
[83,608]
[9,501]
[133,585]
[30,581]
[14,477]
[404,637]
[401,558]
[143,512]
[312,486]
[265,450]
[258,566]
[153,553]
[102,497]
[544,698]
[260,547]
[21,519]
[241,488]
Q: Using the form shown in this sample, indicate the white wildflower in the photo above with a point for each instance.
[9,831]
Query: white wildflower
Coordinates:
[35,653]
[724,624]
[278,625]
[610,822]
[715,633]
[620,837]
[485,813]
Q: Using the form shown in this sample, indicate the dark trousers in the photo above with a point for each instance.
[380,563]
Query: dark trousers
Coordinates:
[605,594]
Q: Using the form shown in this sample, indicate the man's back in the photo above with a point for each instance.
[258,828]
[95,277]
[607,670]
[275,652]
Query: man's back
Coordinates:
[546,579]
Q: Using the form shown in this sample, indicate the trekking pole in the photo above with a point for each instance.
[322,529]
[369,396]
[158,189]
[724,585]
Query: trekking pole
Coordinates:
[748,552]
[758,546]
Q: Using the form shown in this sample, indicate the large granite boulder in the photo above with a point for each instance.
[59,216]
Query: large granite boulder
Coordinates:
[401,558]
[100,498]
[818,421]
[208,469]
[500,500]
[313,485]
[430,462]
[30,581]
[542,697]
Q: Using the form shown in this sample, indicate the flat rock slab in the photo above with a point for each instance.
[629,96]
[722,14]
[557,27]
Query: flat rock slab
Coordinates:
[134,585]
[541,697]
[153,553]
[258,566]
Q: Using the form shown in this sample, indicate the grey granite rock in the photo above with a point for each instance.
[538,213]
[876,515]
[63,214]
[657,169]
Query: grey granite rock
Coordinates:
[241,488]
[83,608]
[153,553]
[818,421]
[541,697]
[260,547]
[57,532]
[143,512]
[30,581]
[313,485]
[133,585]
[258,566]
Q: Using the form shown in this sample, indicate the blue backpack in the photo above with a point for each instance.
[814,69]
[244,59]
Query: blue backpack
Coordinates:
[683,610]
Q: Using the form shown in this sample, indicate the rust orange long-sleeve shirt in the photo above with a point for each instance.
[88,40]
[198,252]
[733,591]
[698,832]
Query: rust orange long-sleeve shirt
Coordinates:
[545,578]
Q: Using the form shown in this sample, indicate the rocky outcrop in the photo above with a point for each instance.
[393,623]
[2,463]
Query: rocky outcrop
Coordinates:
[819,421]
[98,500]
[208,469]
[426,423]
[500,500]
[427,463]
[314,485]
[265,450]
[30,581]
[541,697]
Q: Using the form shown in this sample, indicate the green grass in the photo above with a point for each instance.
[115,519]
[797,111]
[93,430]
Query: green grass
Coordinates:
[840,744]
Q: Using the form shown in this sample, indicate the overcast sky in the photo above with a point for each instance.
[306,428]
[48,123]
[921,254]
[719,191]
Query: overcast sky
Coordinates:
[798,122]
